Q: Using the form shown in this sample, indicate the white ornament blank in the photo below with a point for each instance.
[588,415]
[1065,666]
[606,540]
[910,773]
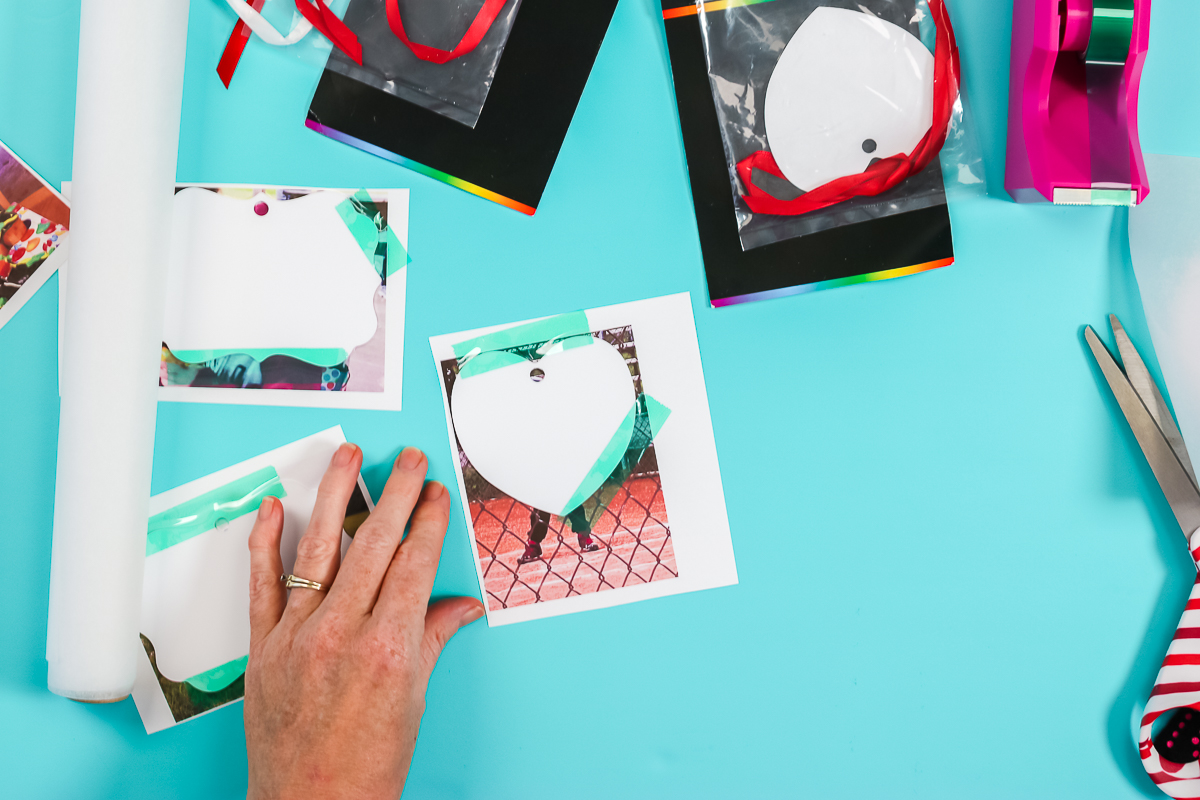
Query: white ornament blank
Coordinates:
[195,609]
[846,79]
[292,278]
[537,440]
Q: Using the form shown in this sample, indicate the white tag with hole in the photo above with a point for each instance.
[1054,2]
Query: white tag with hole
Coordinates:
[848,88]
[535,430]
[264,273]
[195,606]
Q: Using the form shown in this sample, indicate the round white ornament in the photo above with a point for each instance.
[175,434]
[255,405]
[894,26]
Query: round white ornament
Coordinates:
[536,429]
[848,88]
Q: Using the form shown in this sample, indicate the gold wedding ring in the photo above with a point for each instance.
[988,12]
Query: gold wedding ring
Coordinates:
[292,582]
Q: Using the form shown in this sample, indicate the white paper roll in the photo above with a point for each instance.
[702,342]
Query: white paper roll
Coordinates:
[130,91]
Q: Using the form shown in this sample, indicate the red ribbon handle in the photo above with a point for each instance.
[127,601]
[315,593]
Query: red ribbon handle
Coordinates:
[884,173]
[470,40]
[332,28]
[321,18]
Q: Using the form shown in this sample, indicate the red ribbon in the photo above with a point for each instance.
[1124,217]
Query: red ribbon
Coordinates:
[884,173]
[470,40]
[235,46]
[321,18]
[333,28]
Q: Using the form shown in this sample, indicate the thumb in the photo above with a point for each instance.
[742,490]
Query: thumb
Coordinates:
[442,620]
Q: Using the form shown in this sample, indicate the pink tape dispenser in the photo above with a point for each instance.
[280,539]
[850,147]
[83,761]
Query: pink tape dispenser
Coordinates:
[1073,92]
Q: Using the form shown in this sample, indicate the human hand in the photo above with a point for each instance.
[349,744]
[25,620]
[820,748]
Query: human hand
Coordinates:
[335,684]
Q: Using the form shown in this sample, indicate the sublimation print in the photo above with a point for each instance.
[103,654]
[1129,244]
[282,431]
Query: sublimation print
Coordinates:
[33,223]
[586,466]
[277,329]
[194,622]
[564,430]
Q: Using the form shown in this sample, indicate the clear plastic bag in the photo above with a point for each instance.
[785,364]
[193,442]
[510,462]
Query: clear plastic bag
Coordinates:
[822,102]
[451,54]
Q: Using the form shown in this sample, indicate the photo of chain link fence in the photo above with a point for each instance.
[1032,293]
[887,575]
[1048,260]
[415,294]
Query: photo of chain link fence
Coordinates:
[619,537]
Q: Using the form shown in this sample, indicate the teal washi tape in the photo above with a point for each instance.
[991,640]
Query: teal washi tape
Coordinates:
[203,513]
[1112,32]
[608,461]
[317,356]
[483,353]
[368,227]
[217,678]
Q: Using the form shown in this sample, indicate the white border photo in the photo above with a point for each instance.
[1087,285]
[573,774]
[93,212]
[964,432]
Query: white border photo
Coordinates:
[667,369]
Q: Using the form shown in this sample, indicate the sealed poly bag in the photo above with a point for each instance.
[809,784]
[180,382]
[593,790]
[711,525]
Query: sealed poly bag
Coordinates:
[834,112]
[438,54]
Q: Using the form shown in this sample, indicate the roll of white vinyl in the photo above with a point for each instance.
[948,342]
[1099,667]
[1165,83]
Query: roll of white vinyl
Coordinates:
[535,430]
[264,273]
[127,108]
[848,88]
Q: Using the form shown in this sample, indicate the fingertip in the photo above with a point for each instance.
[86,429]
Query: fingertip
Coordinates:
[346,454]
[410,459]
[472,613]
[266,509]
[434,491]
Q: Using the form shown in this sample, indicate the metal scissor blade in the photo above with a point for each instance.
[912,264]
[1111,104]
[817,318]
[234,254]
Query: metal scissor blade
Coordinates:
[1174,480]
[1135,370]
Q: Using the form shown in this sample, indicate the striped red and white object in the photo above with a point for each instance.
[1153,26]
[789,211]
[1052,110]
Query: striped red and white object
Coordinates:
[1177,686]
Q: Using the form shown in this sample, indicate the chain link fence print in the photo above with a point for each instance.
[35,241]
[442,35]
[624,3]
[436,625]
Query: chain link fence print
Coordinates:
[626,519]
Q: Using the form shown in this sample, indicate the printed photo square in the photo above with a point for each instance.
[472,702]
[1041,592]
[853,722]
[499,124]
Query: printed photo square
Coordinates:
[618,537]
[34,221]
[361,369]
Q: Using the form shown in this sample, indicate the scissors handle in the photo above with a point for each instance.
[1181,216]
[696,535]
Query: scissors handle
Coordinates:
[1176,767]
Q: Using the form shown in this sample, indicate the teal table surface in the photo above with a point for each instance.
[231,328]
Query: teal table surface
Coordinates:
[958,576]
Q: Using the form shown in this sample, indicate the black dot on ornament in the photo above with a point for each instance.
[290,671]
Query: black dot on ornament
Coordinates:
[869,146]
[536,375]
[261,208]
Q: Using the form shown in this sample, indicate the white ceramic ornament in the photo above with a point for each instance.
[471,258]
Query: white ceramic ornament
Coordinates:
[537,440]
[266,274]
[848,88]
[195,610]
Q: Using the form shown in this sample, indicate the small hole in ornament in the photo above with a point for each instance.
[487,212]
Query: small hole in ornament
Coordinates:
[869,146]
[261,208]
[222,525]
[537,374]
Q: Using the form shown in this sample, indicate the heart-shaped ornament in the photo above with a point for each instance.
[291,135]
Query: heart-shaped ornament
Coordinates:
[848,88]
[542,431]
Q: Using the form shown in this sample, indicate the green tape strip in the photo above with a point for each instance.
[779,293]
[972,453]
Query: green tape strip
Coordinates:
[1112,32]
[366,223]
[608,461]
[318,356]
[1114,197]
[397,254]
[217,678]
[201,514]
[657,413]
[481,354]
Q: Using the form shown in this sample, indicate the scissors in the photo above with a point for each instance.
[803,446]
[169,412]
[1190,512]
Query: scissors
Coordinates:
[1171,755]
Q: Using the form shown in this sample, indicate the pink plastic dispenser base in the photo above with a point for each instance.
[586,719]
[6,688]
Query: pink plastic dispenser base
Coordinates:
[1072,125]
